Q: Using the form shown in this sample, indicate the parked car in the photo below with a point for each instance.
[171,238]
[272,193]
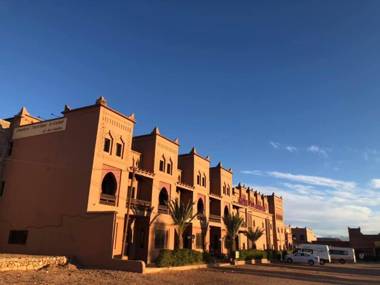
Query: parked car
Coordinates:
[302,257]
[316,249]
[342,254]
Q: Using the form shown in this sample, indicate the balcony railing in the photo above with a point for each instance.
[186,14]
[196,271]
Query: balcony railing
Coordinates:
[141,203]
[107,199]
[162,209]
[143,172]
[185,186]
[215,218]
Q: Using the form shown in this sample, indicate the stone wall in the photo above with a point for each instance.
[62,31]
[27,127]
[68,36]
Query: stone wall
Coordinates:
[12,262]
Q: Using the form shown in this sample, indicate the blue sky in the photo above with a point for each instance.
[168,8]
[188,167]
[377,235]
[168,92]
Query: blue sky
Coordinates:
[284,92]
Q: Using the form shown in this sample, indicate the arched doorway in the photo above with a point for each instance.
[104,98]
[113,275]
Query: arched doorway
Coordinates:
[163,197]
[226,212]
[200,207]
[109,184]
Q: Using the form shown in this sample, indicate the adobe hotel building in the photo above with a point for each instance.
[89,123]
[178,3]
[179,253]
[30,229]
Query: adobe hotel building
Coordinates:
[64,191]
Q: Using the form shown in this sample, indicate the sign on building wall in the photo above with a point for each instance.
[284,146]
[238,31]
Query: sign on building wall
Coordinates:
[40,128]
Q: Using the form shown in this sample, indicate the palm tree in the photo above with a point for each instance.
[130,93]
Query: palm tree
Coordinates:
[182,215]
[233,223]
[254,235]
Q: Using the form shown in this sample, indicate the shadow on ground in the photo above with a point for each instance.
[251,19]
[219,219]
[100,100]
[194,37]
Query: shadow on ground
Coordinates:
[312,276]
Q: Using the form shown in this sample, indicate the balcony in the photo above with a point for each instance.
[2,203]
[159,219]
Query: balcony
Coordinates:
[140,203]
[216,196]
[162,209]
[215,218]
[185,186]
[143,172]
[108,199]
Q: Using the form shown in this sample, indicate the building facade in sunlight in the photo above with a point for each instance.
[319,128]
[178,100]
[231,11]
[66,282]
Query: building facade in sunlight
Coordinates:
[66,185]
[303,235]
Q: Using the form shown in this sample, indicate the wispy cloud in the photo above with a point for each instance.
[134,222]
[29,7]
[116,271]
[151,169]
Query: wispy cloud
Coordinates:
[275,145]
[306,179]
[329,213]
[375,183]
[291,148]
[317,150]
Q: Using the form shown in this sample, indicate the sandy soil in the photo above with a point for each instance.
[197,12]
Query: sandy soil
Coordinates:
[278,274]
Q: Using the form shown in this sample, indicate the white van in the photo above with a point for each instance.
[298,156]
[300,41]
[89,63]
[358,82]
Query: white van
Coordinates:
[316,249]
[342,254]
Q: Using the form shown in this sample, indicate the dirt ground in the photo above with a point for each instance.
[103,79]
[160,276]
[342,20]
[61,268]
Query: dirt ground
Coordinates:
[277,274]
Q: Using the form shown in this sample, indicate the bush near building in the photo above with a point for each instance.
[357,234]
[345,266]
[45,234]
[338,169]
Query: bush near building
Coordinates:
[179,257]
[251,254]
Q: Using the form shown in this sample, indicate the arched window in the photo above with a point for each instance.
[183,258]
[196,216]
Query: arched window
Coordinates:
[226,211]
[108,142]
[163,198]
[120,148]
[204,180]
[228,190]
[109,184]
[224,189]
[199,178]
[169,167]
[200,207]
[162,163]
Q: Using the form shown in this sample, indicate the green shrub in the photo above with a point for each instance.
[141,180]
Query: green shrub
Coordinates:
[165,258]
[178,257]
[251,254]
[273,255]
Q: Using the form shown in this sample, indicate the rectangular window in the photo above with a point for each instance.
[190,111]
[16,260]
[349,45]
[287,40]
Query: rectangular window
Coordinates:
[162,165]
[2,188]
[159,239]
[169,168]
[204,181]
[18,237]
[198,241]
[119,150]
[107,145]
[198,179]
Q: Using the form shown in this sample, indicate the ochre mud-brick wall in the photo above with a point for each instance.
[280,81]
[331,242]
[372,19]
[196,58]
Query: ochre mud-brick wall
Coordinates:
[9,262]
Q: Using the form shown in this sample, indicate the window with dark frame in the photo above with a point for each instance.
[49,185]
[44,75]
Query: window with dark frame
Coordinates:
[119,150]
[162,165]
[159,239]
[107,145]
[2,188]
[17,237]
[204,181]
[169,168]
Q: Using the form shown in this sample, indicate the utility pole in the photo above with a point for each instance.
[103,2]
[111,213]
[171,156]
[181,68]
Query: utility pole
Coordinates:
[129,198]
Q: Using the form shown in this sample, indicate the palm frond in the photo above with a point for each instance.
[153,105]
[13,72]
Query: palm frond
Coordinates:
[254,235]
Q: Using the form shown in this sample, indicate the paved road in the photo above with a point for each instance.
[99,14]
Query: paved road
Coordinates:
[277,274]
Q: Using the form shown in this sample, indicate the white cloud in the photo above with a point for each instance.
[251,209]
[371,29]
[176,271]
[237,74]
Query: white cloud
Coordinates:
[291,148]
[306,179]
[275,145]
[319,209]
[252,172]
[375,183]
[318,150]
